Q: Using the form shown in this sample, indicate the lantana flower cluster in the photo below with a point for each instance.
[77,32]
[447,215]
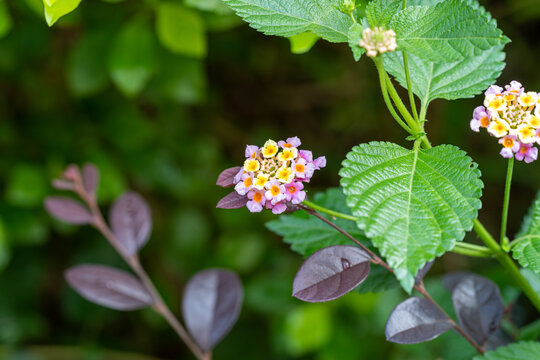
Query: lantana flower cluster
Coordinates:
[513,116]
[273,175]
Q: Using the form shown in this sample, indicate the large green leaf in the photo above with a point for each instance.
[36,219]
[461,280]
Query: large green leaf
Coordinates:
[525,350]
[448,80]
[55,9]
[380,12]
[413,204]
[302,43]
[181,30]
[132,59]
[527,243]
[307,234]
[449,31]
[291,17]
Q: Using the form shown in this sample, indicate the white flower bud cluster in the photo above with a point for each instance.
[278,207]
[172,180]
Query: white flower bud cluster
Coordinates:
[378,41]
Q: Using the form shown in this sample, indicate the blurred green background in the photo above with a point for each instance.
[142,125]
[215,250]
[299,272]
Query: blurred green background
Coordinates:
[162,96]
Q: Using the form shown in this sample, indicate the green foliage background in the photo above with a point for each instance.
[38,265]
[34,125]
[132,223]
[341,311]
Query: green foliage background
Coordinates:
[164,95]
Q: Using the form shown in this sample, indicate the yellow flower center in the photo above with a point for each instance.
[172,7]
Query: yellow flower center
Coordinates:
[284,174]
[274,190]
[270,149]
[299,168]
[534,121]
[484,121]
[248,182]
[251,165]
[292,189]
[526,100]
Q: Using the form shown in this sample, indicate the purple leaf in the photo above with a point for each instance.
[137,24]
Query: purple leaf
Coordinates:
[90,178]
[422,272]
[131,221]
[108,287]
[330,273]
[415,320]
[211,305]
[63,184]
[226,178]
[68,210]
[451,280]
[478,305]
[232,201]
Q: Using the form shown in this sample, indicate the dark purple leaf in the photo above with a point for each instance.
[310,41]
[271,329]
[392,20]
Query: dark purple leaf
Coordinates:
[478,305]
[451,280]
[108,287]
[226,178]
[415,320]
[131,221]
[90,178]
[211,304]
[68,210]
[330,273]
[422,272]
[63,184]
[232,201]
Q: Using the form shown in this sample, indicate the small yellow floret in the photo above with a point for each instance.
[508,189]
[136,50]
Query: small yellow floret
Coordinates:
[288,154]
[285,175]
[251,165]
[526,134]
[274,190]
[495,103]
[508,142]
[270,149]
[248,182]
[260,181]
[528,99]
[257,197]
[534,121]
[498,128]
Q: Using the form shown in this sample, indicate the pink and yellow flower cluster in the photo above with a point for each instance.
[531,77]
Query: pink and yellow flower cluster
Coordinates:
[513,116]
[272,176]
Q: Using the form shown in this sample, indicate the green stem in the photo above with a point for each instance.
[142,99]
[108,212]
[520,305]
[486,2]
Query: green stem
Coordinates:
[507,263]
[472,250]
[352,17]
[328,211]
[384,90]
[506,198]
[399,104]
[409,86]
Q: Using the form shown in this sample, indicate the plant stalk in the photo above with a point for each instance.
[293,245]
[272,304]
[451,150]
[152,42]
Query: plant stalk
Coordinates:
[506,201]
[133,261]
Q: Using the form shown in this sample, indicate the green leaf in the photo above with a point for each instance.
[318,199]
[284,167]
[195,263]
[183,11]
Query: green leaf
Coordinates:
[525,350]
[355,34]
[86,66]
[302,43]
[449,31]
[182,79]
[55,9]
[181,30]
[26,186]
[380,12]
[132,59]
[413,204]
[4,249]
[532,278]
[307,234]
[448,80]
[526,249]
[292,17]
[5,19]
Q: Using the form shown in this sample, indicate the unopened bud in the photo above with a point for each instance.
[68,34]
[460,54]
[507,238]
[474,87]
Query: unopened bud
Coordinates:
[378,41]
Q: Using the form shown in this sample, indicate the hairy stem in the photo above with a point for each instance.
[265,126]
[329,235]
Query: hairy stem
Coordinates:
[133,261]
[384,90]
[409,86]
[506,201]
[508,264]
[328,211]
[377,260]
[472,250]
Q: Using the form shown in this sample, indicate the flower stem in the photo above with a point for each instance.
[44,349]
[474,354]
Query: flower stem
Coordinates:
[472,250]
[384,90]
[509,265]
[328,211]
[409,86]
[507,186]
